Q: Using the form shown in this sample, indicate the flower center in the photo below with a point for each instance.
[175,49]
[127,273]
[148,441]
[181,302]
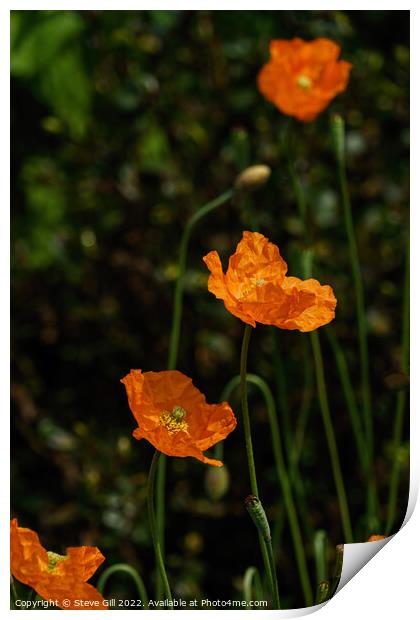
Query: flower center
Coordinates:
[53,559]
[304,82]
[174,421]
[250,289]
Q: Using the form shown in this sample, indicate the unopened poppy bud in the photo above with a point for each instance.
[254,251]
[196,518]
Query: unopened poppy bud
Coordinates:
[216,482]
[252,178]
[338,136]
[322,592]
[257,513]
[339,556]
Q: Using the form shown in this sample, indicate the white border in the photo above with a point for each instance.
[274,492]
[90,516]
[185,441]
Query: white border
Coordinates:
[388,585]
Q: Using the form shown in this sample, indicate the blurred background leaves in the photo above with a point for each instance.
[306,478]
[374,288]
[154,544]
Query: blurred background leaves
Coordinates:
[123,123]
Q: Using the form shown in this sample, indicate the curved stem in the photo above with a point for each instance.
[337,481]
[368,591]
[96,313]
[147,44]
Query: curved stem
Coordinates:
[250,455]
[319,368]
[252,575]
[124,568]
[182,261]
[330,436]
[401,403]
[152,520]
[298,439]
[283,477]
[174,347]
[339,142]
[357,426]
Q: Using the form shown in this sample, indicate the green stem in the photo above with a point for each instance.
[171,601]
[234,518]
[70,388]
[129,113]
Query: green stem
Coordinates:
[124,568]
[281,392]
[330,436]
[276,598]
[250,454]
[152,520]
[13,593]
[285,486]
[297,186]
[339,139]
[350,398]
[174,348]
[401,404]
[295,477]
[160,515]
[302,419]
[319,368]
[182,262]
[320,552]
[252,575]
[282,475]
[245,411]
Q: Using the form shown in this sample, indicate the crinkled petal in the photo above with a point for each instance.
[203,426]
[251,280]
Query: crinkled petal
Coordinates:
[313,305]
[28,558]
[70,595]
[83,561]
[203,424]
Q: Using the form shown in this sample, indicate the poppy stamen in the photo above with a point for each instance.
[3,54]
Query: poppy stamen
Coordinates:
[53,559]
[174,420]
[251,289]
[304,82]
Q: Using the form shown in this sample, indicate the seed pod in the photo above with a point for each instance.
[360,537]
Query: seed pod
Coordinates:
[253,177]
[257,513]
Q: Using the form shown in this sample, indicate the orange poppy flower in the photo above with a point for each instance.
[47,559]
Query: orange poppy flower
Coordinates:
[302,77]
[59,578]
[174,416]
[256,289]
[375,537]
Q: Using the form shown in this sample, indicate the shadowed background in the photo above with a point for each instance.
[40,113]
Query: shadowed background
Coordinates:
[123,123]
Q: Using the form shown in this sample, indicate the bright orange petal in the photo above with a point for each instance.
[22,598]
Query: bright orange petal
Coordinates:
[260,292]
[84,561]
[302,77]
[28,558]
[313,305]
[216,283]
[70,594]
[323,50]
[159,394]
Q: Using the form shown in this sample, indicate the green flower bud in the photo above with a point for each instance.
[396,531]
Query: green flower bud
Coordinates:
[257,513]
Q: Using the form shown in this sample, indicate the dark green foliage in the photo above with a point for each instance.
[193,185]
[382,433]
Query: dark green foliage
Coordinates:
[123,123]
